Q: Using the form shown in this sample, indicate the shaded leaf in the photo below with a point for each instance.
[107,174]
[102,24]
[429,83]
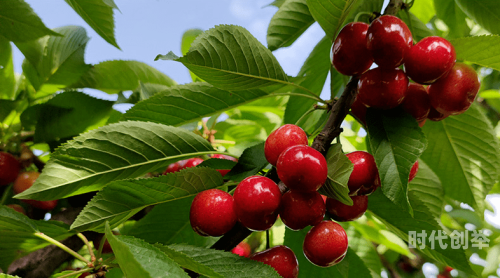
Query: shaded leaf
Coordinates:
[7,76]
[485,12]
[187,39]
[427,187]
[250,163]
[331,14]
[481,50]
[453,16]
[423,10]
[339,171]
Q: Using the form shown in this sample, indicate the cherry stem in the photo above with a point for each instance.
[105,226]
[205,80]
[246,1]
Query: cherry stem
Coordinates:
[63,247]
[91,252]
[76,272]
[268,244]
[101,246]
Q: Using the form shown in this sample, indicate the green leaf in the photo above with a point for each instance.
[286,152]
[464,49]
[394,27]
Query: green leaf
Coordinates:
[463,151]
[418,29]
[53,63]
[331,14]
[401,223]
[339,171]
[168,223]
[481,50]
[66,115]
[363,7]
[137,258]
[250,163]
[229,57]
[453,16]
[485,12]
[288,23]
[121,75]
[427,187]
[218,163]
[384,237]
[365,249]
[3,275]
[19,23]
[396,142]
[423,10]
[7,76]
[120,200]
[99,15]
[493,260]
[215,263]
[187,39]
[113,152]
[13,220]
[314,71]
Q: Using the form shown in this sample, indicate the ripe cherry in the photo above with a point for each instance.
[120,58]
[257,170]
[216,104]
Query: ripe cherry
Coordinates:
[281,258]
[223,172]
[454,93]
[388,39]
[83,275]
[172,168]
[342,212]
[325,244]
[256,202]
[242,249]
[9,168]
[382,88]
[301,209]
[212,213]
[302,168]
[364,172]
[413,171]
[368,189]
[350,55]
[192,162]
[429,59]
[435,116]
[282,138]
[358,110]
[417,102]
[17,208]
[24,181]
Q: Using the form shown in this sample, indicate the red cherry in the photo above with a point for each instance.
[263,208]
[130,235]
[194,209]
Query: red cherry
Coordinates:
[417,102]
[388,39]
[302,168]
[454,93]
[369,189]
[413,171]
[350,55]
[364,172]
[17,208]
[301,209]
[325,244]
[83,275]
[281,258]
[192,162]
[422,123]
[435,116]
[43,205]
[242,249]
[358,110]
[429,59]
[281,139]
[24,181]
[172,168]
[256,202]
[223,172]
[382,88]
[341,212]
[212,213]
[9,168]
[448,268]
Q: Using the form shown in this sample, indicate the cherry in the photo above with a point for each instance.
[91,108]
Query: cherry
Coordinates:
[382,88]
[455,92]
[24,181]
[302,168]
[413,171]
[282,138]
[448,268]
[342,212]
[435,116]
[281,258]
[172,168]
[388,39]
[17,208]
[301,209]
[370,188]
[417,102]
[83,275]
[429,59]
[422,123]
[192,162]
[256,202]
[242,249]
[325,244]
[364,171]
[212,213]
[223,172]
[350,55]
[106,247]
[9,168]
[358,110]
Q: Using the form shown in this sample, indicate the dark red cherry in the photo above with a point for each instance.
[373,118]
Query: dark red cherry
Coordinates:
[435,116]
[413,171]
[281,139]
[301,209]
[417,102]
[429,59]
[350,55]
[24,181]
[17,208]
[172,168]
[358,110]
[364,172]
[212,213]
[192,162]
[223,172]
[256,202]
[382,88]
[325,244]
[302,168]
[454,93]
[281,258]
[388,39]
[242,249]
[9,168]
[368,189]
[342,212]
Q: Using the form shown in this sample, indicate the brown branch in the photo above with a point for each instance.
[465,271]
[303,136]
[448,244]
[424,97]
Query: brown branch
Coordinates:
[393,7]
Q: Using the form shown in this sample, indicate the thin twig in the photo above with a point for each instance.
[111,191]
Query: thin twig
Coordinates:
[63,247]
[91,252]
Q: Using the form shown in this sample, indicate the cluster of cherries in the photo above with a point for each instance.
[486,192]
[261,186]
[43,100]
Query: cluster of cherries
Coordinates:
[10,172]
[195,161]
[388,42]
